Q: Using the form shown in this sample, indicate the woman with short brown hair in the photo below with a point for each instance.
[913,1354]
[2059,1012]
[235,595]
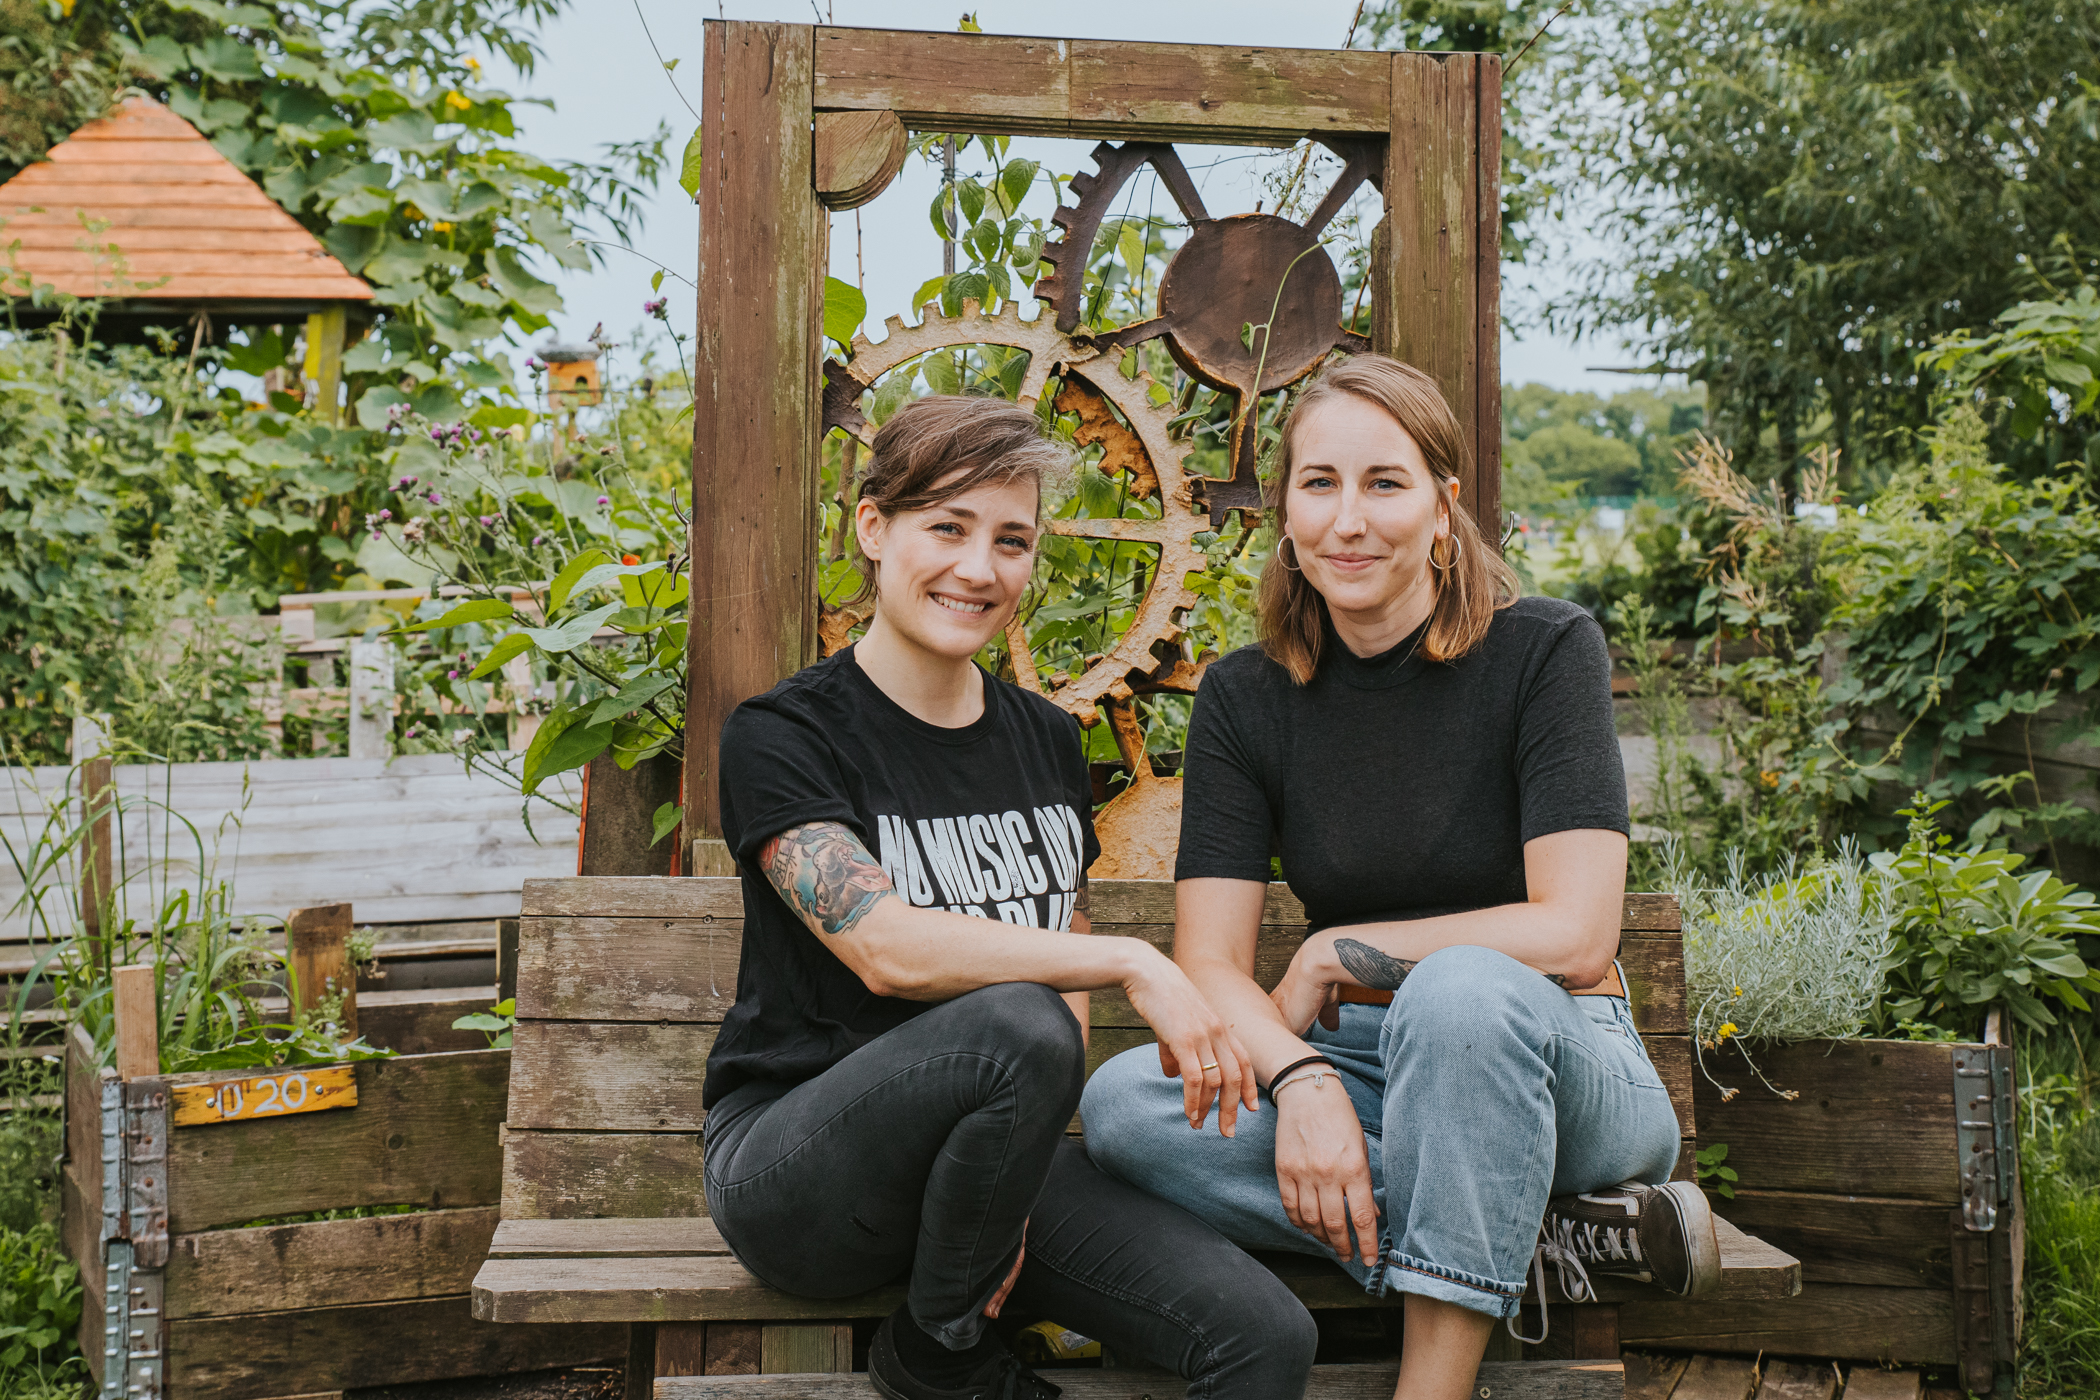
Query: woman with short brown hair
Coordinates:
[1433,759]
[889,1097]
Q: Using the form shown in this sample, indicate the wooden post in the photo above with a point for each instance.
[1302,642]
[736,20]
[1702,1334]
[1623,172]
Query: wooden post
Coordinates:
[825,1347]
[756,414]
[1436,301]
[320,949]
[138,1021]
[371,697]
[325,331]
[97,808]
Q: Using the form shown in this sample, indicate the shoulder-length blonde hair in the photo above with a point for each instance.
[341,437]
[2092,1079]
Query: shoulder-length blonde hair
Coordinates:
[1289,608]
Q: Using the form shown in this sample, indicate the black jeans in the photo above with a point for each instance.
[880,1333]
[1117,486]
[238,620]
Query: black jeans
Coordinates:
[928,1148]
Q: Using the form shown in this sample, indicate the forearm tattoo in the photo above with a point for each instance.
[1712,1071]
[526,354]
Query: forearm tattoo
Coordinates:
[1081,903]
[825,874]
[1369,967]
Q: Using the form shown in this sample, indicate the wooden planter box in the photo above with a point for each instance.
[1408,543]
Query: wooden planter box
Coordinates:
[1894,1178]
[183,1300]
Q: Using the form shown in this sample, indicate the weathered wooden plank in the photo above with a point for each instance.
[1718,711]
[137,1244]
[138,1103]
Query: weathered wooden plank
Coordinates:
[1426,301]
[1502,1380]
[1677,1068]
[1873,1118]
[590,1076]
[756,415]
[1096,88]
[418,1021]
[1792,1380]
[686,1289]
[1652,913]
[824,1347]
[332,1349]
[605,1239]
[580,967]
[1850,1239]
[80,1225]
[561,1176]
[1718,1378]
[83,1107]
[1654,967]
[1651,1377]
[328,1263]
[424,1130]
[1869,1383]
[1846,1322]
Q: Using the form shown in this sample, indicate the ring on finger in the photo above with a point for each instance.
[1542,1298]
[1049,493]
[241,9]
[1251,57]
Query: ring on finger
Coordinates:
[1209,1067]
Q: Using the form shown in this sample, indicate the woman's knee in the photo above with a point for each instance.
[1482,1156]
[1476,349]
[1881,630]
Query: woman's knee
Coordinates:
[1264,1342]
[1124,1114]
[1465,988]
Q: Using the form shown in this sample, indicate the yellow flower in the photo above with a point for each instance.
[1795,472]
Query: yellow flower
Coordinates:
[458,101]
[441,227]
[1769,778]
[1727,1030]
[474,66]
[1738,991]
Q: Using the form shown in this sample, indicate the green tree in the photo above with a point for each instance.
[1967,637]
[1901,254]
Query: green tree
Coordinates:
[1626,445]
[373,125]
[1801,195]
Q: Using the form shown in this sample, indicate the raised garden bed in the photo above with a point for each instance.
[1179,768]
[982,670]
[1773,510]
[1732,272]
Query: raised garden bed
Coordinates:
[186,1298]
[1893,1177]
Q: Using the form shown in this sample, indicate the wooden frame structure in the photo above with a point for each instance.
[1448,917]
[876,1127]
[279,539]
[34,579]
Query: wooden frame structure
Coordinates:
[770,96]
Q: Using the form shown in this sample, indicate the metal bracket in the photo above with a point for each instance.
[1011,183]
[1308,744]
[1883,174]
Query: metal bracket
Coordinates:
[1983,1132]
[134,1236]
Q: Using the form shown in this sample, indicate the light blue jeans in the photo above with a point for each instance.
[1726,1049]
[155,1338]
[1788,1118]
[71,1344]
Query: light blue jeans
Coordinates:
[1483,1090]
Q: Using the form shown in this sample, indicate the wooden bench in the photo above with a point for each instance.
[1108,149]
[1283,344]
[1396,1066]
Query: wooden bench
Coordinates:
[621,986]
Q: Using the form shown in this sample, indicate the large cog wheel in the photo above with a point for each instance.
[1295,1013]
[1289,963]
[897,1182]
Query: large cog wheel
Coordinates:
[1147,657]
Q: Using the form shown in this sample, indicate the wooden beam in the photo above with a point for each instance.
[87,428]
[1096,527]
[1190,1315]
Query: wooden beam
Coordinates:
[1503,1380]
[1435,301]
[138,1022]
[320,939]
[756,423]
[999,83]
[327,1263]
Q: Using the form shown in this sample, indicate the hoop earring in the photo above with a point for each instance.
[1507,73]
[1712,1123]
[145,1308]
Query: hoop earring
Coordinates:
[1444,564]
[1294,554]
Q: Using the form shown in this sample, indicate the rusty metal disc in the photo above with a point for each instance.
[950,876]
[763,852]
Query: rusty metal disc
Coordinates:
[1226,277]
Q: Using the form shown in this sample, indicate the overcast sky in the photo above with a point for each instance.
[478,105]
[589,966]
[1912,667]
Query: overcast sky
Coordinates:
[607,86]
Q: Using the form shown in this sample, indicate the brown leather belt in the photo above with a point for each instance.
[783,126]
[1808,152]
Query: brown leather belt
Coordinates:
[1368,996]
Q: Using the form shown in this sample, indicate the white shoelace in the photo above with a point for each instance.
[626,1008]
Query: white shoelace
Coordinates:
[1576,1241]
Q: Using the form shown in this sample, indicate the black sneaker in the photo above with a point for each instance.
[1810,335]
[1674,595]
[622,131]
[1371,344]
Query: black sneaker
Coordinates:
[1001,1377]
[1662,1235]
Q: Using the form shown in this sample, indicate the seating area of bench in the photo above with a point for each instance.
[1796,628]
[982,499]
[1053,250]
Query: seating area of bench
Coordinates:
[621,985]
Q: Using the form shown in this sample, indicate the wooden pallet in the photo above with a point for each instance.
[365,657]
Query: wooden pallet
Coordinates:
[1652,1376]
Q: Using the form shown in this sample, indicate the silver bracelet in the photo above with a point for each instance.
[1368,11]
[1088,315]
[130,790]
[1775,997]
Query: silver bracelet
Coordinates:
[1315,1075]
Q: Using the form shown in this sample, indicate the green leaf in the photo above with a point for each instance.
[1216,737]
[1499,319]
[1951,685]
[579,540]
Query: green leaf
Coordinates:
[689,165]
[1014,181]
[577,745]
[658,591]
[551,728]
[565,581]
[511,277]
[666,821]
[844,309]
[970,197]
[941,374]
[503,651]
[938,212]
[630,697]
[571,634]
[479,610]
[1130,246]
[929,291]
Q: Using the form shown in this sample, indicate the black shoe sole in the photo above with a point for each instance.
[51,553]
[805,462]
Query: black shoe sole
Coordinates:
[1702,1247]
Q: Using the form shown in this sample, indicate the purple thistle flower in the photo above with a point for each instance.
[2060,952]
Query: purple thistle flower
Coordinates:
[605,500]
[538,539]
[404,483]
[487,520]
[451,675]
[433,498]
[656,307]
[386,515]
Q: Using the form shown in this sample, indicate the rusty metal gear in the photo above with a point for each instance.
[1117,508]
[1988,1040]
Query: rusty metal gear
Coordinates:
[1147,657]
[1248,304]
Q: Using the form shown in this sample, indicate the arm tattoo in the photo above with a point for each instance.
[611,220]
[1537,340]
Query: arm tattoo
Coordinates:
[1557,979]
[1082,902]
[825,874]
[1370,967]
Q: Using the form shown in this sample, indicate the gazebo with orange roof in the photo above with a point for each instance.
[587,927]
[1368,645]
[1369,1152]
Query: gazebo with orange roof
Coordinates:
[139,210]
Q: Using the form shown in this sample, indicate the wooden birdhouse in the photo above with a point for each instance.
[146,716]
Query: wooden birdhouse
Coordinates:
[572,377]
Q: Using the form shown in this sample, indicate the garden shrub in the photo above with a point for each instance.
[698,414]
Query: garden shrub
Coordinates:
[40,1299]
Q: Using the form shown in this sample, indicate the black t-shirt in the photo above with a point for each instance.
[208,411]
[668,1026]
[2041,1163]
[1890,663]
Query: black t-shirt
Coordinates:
[1398,788]
[993,819]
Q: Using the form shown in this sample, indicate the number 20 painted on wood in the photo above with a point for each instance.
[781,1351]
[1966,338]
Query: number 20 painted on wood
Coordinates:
[265,1096]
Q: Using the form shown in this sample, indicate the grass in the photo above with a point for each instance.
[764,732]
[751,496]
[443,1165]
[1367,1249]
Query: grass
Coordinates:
[2060,1169]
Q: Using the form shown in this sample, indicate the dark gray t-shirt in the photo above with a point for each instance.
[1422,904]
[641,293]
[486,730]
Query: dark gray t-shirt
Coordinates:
[1398,788]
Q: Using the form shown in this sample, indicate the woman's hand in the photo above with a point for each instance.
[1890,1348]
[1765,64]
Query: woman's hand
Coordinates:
[1194,1041]
[1322,1170]
[1310,989]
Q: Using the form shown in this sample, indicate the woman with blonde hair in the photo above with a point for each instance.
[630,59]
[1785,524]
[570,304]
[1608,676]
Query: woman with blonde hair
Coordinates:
[1453,1085]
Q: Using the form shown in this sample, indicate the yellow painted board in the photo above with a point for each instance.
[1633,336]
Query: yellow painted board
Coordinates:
[269,1095]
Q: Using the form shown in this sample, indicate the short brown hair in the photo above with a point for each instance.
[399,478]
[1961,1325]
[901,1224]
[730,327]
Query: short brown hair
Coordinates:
[1289,609]
[936,448]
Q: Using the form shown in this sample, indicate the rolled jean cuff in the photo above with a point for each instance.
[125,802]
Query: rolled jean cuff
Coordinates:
[1411,1275]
